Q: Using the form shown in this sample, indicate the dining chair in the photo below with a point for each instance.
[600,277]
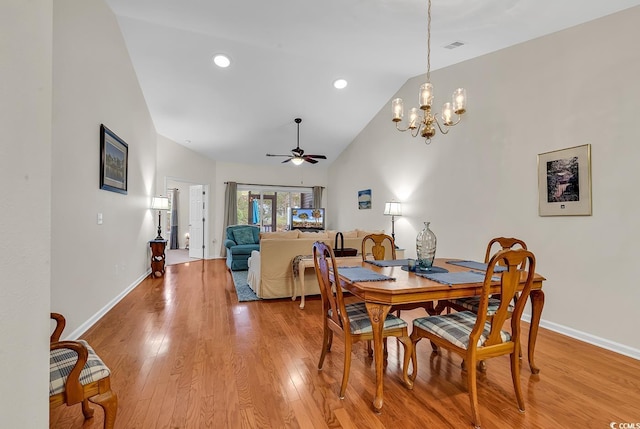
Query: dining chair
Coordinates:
[78,375]
[349,321]
[378,249]
[478,336]
[378,252]
[472,303]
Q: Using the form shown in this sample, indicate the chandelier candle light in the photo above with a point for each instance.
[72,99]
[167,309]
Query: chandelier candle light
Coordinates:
[423,125]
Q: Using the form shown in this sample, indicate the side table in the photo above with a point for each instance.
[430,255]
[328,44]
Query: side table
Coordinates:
[157,257]
[305,262]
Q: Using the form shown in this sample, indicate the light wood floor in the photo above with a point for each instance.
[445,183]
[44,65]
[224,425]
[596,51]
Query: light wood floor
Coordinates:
[185,354]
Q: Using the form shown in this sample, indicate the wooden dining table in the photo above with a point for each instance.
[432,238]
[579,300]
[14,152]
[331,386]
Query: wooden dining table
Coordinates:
[409,288]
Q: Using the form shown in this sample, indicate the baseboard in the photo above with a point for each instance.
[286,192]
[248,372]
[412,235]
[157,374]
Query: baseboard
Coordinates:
[587,338]
[93,319]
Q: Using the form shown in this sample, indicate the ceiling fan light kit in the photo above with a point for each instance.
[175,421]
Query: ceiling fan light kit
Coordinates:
[297,156]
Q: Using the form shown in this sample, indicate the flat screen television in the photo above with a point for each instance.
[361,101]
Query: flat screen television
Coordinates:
[306,219]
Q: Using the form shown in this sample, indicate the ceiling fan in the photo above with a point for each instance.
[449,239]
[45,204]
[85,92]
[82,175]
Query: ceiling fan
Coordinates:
[297,155]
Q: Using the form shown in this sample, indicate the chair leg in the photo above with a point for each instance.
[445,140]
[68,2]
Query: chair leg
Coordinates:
[369,348]
[384,349]
[414,357]
[347,366]
[473,391]
[87,411]
[326,345]
[515,376]
[109,403]
[408,354]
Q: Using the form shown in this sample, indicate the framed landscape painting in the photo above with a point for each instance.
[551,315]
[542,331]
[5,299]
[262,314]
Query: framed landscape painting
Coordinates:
[114,161]
[564,182]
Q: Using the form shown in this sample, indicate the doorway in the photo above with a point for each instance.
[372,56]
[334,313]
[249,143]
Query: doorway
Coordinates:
[188,249]
[262,211]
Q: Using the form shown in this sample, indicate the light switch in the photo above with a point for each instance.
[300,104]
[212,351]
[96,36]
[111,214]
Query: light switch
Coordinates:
[99,218]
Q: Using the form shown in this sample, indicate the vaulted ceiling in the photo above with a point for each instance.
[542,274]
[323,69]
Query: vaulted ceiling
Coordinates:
[285,55]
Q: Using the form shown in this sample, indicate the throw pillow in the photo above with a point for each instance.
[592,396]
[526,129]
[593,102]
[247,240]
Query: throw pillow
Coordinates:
[243,236]
[362,233]
[314,235]
[279,235]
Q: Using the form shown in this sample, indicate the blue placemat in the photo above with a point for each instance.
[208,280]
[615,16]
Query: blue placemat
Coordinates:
[457,278]
[388,263]
[476,266]
[360,274]
[431,270]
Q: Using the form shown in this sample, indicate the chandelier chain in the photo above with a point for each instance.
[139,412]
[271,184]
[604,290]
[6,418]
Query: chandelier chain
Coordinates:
[426,123]
[429,42]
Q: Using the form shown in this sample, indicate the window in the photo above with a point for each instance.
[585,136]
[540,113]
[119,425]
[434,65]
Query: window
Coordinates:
[268,206]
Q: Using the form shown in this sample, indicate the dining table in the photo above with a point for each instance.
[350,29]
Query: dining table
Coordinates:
[405,287]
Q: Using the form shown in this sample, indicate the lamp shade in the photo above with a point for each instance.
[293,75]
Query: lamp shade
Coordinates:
[160,203]
[393,208]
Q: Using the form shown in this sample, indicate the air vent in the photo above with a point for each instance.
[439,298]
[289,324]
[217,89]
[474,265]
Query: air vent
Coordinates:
[454,45]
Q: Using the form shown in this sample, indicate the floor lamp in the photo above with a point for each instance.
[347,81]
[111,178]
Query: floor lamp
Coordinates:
[160,204]
[393,209]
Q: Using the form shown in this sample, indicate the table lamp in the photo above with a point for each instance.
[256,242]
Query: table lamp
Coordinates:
[159,203]
[393,209]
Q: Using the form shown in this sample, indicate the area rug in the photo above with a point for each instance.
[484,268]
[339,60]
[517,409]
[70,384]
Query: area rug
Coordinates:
[243,290]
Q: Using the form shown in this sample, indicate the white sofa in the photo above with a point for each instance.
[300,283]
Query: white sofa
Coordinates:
[270,271]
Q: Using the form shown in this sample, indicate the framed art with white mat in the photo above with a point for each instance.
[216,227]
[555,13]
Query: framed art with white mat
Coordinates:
[564,182]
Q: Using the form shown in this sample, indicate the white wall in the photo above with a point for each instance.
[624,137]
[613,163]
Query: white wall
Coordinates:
[93,83]
[571,88]
[286,175]
[25,168]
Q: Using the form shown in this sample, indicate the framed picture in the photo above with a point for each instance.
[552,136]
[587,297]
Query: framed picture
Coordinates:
[564,182]
[364,199]
[114,161]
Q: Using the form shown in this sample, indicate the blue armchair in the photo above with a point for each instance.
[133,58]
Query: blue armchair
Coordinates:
[240,241]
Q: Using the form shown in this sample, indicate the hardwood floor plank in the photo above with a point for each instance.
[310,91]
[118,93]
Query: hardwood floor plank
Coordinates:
[184,354]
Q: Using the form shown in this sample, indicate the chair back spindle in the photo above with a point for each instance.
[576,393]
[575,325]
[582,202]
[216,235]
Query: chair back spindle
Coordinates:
[378,249]
[332,298]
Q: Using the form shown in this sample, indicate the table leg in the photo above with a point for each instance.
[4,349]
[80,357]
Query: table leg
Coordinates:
[378,314]
[301,268]
[300,276]
[537,302]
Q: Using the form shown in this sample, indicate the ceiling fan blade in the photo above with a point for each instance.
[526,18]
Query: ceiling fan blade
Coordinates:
[297,154]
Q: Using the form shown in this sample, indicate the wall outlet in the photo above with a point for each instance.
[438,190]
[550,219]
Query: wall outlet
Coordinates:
[99,218]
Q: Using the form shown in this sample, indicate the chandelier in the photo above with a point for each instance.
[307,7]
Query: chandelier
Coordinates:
[424,124]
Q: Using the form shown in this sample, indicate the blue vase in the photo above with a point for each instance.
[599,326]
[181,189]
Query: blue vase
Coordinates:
[426,248]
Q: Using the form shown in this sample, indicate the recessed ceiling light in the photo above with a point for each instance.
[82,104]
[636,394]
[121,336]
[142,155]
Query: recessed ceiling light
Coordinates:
[340,84]
[221,60]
